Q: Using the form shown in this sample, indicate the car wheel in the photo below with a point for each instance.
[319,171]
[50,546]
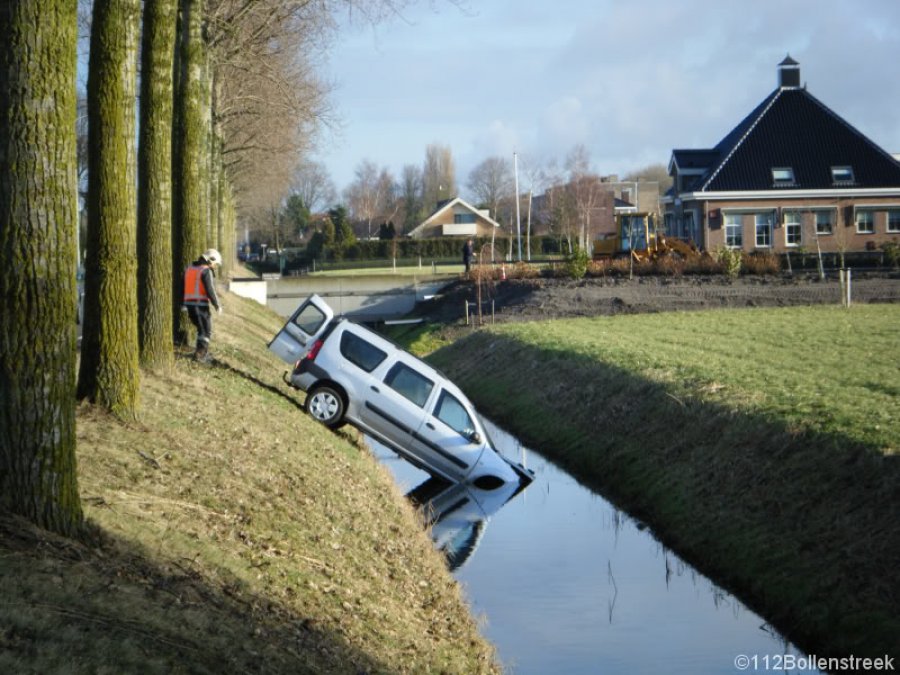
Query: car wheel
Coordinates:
[326,405]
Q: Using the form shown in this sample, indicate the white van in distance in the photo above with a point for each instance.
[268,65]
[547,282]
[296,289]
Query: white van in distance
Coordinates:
[352,374]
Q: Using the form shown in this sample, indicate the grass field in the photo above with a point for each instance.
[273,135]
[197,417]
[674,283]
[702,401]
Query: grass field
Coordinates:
[762,444]
[229,533]
[820,368]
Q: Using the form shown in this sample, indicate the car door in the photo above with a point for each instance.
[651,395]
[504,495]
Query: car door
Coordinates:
[307,323]
[450,434]
[395,403]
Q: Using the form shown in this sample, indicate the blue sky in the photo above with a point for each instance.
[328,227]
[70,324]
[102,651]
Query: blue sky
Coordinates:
[629,80]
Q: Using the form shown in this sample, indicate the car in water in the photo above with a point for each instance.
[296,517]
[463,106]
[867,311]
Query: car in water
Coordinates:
[351,374]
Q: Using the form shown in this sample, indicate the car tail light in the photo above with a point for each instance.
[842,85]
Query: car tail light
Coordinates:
[314,352]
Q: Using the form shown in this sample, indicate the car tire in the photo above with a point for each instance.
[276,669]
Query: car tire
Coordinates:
[326,405]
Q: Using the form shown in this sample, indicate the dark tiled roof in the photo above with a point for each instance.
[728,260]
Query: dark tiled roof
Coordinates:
[790,128]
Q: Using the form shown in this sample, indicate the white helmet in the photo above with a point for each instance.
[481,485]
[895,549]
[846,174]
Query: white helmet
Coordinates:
[213,257]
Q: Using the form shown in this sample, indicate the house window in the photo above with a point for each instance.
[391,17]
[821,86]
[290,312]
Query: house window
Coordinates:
[734,231]
[865,222]
[463,218]
[763,230]
[893,220]
[824,222]
[782,176]
[670,224]
[842,174]
[689,225]
[792,228]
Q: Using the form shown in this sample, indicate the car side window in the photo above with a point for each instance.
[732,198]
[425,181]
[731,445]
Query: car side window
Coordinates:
[409,383]
[361,353]
[310,319]
[452,413]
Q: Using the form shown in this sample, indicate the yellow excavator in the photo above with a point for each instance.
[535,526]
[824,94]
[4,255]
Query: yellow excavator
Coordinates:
[636,236]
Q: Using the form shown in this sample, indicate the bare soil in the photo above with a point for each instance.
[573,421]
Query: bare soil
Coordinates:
[549,298]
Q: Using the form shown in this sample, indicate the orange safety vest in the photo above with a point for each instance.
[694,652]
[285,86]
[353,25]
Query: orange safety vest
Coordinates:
[194,289]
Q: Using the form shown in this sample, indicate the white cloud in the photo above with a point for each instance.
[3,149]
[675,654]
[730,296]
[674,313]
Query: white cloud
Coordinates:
[630,80]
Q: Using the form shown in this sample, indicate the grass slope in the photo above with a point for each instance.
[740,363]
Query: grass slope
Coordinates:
[229,533]
[761,444]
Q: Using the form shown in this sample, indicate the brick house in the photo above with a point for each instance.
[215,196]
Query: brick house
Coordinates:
[793,174]
[456,218]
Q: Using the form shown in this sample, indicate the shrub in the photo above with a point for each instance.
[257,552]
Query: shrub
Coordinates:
[730,259]
[577,263]
[761,263]
[669,266]
[892,252]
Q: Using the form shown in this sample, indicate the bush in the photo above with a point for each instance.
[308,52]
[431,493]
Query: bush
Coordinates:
[892,252]
[577,263]
[761,263]
[730,259]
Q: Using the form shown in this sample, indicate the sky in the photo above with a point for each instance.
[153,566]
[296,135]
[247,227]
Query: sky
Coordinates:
[629,80]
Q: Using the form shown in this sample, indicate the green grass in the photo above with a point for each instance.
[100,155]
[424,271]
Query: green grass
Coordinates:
[761,444]
[823,368]
[230,533]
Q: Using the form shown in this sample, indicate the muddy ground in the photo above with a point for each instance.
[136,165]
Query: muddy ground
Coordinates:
[548,298]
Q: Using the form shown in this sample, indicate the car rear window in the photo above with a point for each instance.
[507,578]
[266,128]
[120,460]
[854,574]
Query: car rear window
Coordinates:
[361,353]
[409,383]
[310,319]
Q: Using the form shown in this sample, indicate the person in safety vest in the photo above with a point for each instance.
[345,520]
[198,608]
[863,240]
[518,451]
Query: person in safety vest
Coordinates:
[199,294]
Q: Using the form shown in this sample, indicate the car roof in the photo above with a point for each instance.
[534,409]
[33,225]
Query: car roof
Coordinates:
[389,345]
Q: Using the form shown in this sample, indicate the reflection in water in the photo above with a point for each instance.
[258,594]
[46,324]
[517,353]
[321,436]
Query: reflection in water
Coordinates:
[568,583]
[458,514]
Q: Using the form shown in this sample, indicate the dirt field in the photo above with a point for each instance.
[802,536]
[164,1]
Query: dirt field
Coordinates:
[532,299]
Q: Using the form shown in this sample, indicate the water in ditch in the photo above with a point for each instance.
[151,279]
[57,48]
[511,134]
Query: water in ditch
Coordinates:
[566,583]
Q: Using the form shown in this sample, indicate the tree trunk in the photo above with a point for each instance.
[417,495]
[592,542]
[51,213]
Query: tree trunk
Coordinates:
[38,234]
[189,207]
[155,184]
[109,372]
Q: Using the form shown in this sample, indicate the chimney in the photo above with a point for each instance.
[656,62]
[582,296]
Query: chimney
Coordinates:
[788,73]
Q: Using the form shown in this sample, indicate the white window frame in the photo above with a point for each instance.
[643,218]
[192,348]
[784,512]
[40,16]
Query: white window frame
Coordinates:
[782,175]
[895,227]
[796,223]
[768,228]
[870,213]
[738,226]
[832,217]
[836,172]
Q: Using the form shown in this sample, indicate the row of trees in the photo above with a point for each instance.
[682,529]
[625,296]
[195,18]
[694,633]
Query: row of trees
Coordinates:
[571,193]
[228,101]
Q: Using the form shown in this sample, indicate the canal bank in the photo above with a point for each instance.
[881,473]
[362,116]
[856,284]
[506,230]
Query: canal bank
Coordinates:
[801,524]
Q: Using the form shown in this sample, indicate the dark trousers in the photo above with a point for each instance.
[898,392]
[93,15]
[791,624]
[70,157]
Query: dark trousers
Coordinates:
[202,321]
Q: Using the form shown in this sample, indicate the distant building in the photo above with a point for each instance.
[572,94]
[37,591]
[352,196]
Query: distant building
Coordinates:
[456,218]
[601,198]
[792,174]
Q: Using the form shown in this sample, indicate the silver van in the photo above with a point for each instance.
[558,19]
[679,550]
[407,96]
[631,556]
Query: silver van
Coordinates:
[352,374]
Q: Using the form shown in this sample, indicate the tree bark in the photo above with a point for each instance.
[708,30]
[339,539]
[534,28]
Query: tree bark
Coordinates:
[190,208]
[155,184]
[109,374]
[38,234]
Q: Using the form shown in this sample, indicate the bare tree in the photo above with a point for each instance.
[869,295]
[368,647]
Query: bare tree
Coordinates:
[585,188]
[491,182]
[313,184]
[438,176]
[410,194]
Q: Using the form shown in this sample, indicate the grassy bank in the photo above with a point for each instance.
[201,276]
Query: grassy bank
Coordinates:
[761,444]
[229,533]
